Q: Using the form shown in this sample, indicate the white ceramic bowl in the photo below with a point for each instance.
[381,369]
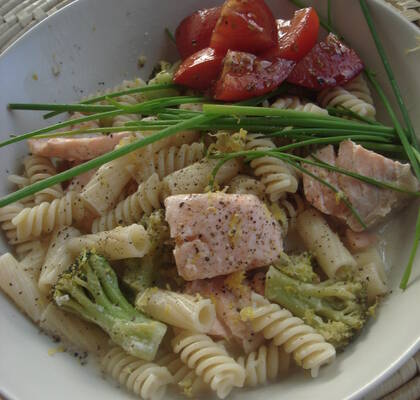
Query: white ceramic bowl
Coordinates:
[98,41]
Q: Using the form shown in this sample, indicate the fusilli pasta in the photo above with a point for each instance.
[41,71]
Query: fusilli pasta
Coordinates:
[168,160]
[21,181]
[187,380]
[7,214]
[355,96]
[127,99]
[265,364]
[38,168]
[309,349]
[286,211]
[45,217]
[147,380]
[277,177]
[210,361]
[295,103]
[146,199]
[359,87]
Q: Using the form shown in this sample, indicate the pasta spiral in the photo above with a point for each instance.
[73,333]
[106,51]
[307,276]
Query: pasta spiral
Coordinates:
[294,103]
[127,99]
[143,201]
[168,160]
[184,377]
[210,361]
[277,177]
[359,87]
[146,379]
[38,168]
[309,349]
[265,364]
[7,214]
[21,181]
[354,96]
[286,211]
[45,217]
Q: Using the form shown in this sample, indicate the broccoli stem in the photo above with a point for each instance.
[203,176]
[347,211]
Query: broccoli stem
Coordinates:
[109,281]
[89,288]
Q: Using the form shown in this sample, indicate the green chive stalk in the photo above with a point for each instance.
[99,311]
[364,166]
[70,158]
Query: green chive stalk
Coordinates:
[98,161]
[119,93]
[390,73]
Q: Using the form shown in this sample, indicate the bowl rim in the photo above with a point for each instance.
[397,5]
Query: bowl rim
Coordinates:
[411,350]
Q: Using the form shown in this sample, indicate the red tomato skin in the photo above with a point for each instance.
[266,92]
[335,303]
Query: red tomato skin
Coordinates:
[200,70]
[245,76]
[244,25]
[194,32]
[330,63]
[296,37]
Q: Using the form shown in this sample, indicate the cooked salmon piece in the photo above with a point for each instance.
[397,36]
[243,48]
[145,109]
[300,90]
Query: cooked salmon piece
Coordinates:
[372,203]
[319,195]
[229,294]
[76,148]
[218,233]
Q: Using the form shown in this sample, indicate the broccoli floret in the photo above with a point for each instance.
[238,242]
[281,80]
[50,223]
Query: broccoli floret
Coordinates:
[163,73]
[89,288]
[297,266]
[336,309]
[139,274]
[157,230]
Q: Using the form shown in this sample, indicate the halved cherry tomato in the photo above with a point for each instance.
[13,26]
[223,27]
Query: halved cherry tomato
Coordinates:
[245,25]
[245,75]
[194,32]
[330,63]
[200,70]
[297,36]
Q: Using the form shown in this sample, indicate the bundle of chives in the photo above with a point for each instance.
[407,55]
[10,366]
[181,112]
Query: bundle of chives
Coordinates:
[141,89]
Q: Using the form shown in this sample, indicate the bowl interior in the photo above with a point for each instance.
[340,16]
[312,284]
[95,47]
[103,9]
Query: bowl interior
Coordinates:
[95,44]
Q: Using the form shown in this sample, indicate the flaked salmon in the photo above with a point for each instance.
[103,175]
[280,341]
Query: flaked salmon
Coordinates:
[372,203]
[229,294]
[75,149]
[218,233]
